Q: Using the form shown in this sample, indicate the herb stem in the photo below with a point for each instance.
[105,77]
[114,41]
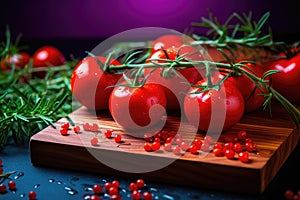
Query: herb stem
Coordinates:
[7,174]
[173,63]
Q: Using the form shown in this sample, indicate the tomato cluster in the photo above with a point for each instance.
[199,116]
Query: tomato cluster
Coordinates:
[43,57]
[214,100]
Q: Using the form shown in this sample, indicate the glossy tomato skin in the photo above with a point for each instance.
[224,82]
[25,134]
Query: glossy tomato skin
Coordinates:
[90,85]
[20,59]
[174,86]
[251,93]
[198,107]
[48,56]
[287,81]
[169,41]
[188,52]
[130,106]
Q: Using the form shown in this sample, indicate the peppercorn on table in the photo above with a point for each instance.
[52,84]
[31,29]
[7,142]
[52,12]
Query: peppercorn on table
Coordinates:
[275,138]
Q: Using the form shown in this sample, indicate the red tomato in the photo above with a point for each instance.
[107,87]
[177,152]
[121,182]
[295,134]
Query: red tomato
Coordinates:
[131,107]
[175,87]
[90,85]
[287,81]
[216,55]
[48,56]
[251,93]
[20,59]
[198,107]
[169,41]
[188,52]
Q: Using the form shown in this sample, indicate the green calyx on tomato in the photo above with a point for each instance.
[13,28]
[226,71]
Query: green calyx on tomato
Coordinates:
[174,79]
[204,106]
[170,41]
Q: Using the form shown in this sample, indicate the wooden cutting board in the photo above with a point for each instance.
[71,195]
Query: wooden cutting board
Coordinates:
[275,138]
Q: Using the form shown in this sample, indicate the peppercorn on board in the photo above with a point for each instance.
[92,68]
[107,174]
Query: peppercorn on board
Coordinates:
[275,138]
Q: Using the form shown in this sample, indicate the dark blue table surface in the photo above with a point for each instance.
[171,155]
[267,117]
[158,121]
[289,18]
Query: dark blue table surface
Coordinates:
[59,184]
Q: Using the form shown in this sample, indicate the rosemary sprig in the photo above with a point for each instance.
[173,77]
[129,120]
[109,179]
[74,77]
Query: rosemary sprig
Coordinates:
[5,176]
[240,35]
[245,32]
[9,48]
[29,105]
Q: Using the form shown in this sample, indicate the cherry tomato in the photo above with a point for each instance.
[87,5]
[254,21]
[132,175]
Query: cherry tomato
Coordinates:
[175,86]
[216,55]
[90,85]
[249,90]
[169,41]
[130,106]
[287,81]
[48,56]
[188,52]
[251,93]
[20,59]
[198,107]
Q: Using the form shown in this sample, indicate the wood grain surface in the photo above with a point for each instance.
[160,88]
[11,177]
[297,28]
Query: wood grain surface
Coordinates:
[275,138]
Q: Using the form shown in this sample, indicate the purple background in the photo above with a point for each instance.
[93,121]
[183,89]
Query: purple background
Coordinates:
[100,19]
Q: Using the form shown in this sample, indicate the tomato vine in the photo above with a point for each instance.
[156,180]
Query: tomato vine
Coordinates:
[245,34]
